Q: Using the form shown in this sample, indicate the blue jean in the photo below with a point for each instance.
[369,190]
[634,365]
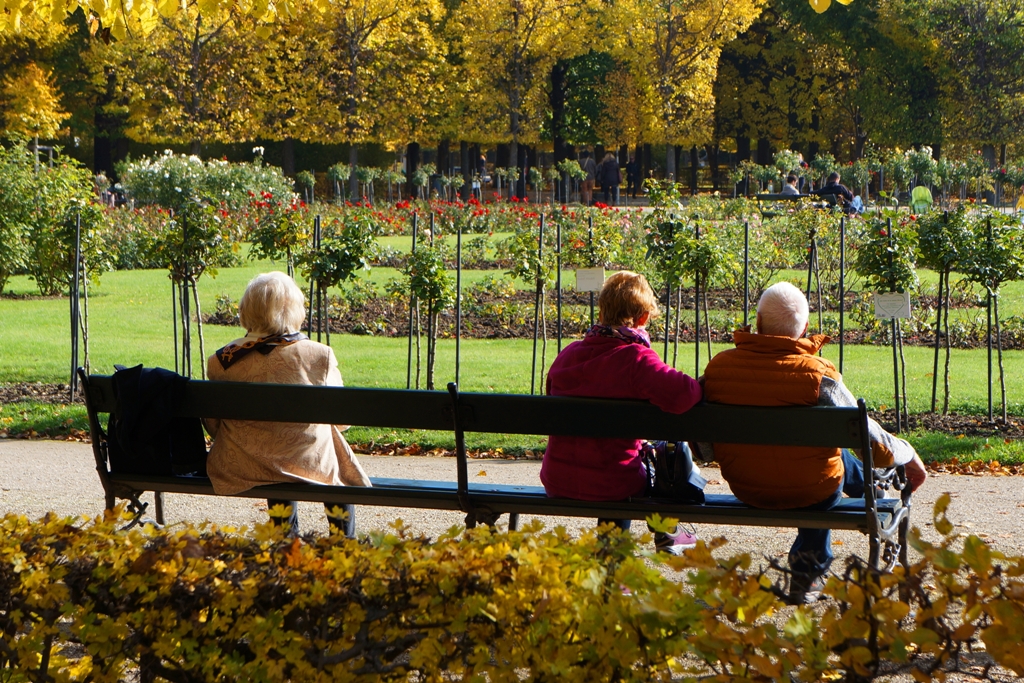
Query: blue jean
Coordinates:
[811,552]
[346,524]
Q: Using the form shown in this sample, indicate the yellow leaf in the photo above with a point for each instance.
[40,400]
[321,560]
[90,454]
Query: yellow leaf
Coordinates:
[942,525]
[964,632]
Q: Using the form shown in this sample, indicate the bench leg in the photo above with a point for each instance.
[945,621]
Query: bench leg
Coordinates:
[513,521]
[904,549]
[158,499]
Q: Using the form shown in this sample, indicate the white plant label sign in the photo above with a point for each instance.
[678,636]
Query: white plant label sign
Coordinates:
[890,305]
[589,279]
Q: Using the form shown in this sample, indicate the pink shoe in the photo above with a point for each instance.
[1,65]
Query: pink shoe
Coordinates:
[674,543]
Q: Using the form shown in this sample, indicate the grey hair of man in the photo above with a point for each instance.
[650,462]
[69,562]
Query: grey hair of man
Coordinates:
[782,311]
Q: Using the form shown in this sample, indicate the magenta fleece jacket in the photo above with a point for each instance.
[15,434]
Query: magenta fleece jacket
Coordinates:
[604,367]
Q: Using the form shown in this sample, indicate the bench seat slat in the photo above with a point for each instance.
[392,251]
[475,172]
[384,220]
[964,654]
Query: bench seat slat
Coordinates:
[418,493]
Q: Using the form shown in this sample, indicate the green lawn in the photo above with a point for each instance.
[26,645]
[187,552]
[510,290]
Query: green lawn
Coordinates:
[131,323]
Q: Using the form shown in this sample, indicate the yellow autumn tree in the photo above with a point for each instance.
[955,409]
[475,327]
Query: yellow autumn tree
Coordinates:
[509,47]
[413,91]
[628,117]
[183,82]
[287,75]
[371,53]
[144,15]
[31,105]
[676,44]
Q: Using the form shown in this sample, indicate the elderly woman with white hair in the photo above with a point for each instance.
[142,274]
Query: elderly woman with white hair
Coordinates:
[248,453]
[779,366]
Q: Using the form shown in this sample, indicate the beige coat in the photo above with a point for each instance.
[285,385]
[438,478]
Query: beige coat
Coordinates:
[249,453]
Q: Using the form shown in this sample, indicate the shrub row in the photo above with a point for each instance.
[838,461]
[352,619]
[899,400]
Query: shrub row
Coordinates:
[86,602]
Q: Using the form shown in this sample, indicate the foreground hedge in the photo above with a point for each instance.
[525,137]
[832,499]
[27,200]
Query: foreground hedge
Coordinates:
[85,602]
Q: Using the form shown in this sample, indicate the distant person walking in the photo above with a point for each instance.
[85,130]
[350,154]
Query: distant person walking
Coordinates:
[632,176]
[610,177]
[590,168]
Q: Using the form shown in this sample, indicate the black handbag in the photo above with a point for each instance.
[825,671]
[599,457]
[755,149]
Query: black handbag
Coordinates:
[670,472]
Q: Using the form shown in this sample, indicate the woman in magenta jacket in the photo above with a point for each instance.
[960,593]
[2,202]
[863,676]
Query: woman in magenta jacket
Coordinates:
[614,360]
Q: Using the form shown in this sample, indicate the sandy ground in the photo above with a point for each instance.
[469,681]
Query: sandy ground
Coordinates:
[41,476]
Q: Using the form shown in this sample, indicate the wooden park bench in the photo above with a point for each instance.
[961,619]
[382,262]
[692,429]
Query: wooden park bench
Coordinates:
[884,520]
[774,204]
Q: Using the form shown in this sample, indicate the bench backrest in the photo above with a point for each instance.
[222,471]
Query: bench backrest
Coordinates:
[777,196]
[508,414]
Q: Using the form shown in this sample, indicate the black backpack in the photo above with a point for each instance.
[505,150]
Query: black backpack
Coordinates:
[670,472]
[144,437]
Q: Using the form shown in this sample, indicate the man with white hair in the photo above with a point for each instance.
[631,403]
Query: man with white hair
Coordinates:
[778,366]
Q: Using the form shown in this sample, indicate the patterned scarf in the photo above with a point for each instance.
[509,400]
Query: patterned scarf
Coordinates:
[630,335]
[232,353]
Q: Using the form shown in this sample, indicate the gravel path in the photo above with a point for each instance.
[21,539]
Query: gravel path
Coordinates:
[41,476]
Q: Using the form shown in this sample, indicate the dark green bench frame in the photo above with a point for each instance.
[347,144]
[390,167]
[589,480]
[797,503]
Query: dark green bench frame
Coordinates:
[884,520]
[766,202]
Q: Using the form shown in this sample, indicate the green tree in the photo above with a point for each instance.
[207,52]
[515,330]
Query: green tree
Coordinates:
[429,281]
[995,258]
[982,45]
[945,241]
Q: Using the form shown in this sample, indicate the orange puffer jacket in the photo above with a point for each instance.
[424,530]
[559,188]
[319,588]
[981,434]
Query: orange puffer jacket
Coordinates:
[773,371]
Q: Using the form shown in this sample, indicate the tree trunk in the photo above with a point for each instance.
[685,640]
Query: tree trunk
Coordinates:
[467,171]
[670,162]
[543,338]
[412,162]
[938,339]
[556,101]
[199,330]
[713,165]
[903,376]
[419,350]
[196,147]
[989,154]
[694,169]
[288,156]
[707,319]
[431,343]
[742,148]
[523,165]
[675,335]
[444,157]
[945,331]
[648,161]
[84,319]
[764,151]
[353,181]
[109,144]
[999,351]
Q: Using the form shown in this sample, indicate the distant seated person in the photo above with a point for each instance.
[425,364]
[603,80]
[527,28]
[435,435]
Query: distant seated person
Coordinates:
[832,186]
[778,366]
[791,185]
[248,453]
[614,360]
